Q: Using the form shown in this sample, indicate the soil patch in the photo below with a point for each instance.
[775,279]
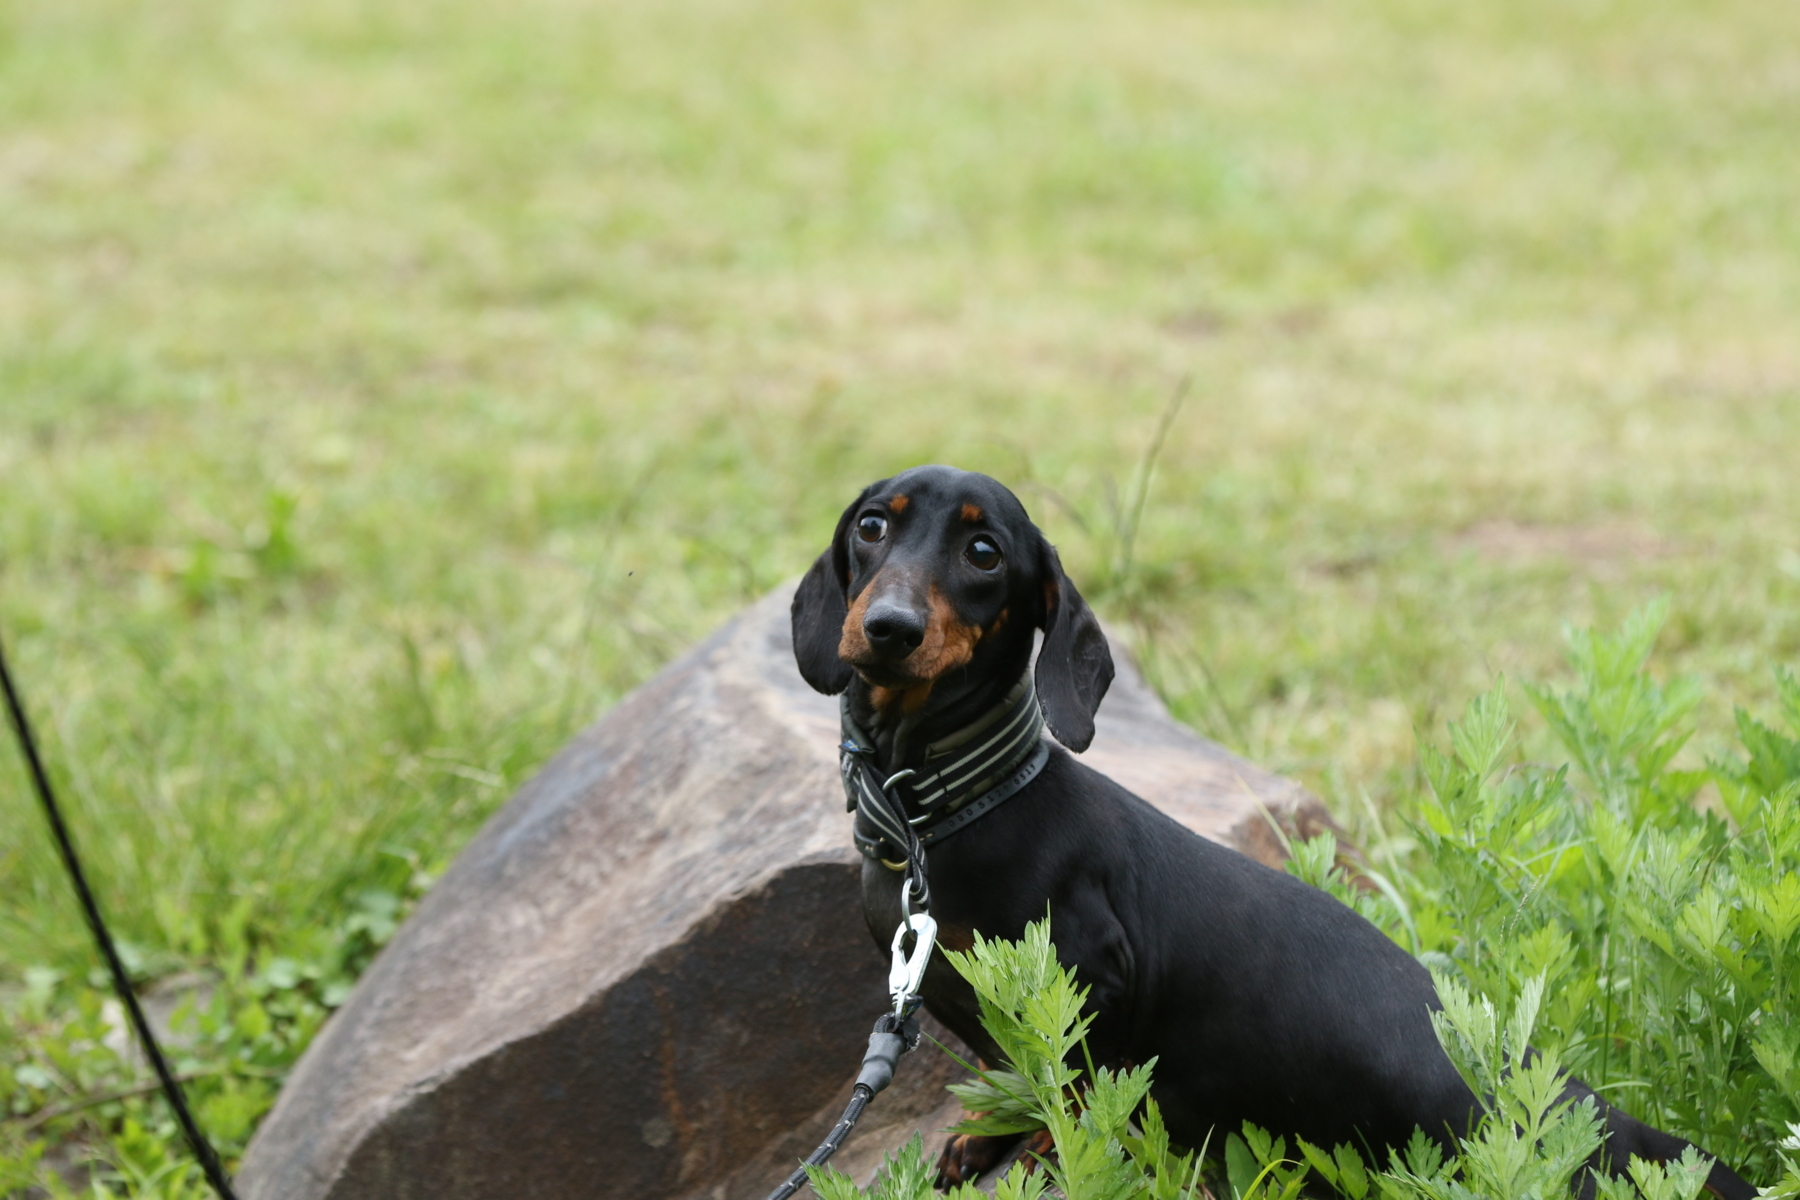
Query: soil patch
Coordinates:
[1601,546]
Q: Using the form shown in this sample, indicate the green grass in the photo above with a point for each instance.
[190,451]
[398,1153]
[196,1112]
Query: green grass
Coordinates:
[386,390]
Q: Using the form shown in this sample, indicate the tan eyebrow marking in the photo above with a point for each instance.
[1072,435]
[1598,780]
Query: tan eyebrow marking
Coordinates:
[971,512]
[898,504]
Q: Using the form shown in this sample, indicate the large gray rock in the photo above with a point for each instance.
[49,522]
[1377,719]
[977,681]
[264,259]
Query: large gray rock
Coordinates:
[648,976]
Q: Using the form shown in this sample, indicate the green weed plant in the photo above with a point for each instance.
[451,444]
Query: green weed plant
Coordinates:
[1665,930]
[1111,1146]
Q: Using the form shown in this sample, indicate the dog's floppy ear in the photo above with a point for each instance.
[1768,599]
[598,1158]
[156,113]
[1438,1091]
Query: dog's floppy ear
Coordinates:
[820,609]
[1074,666]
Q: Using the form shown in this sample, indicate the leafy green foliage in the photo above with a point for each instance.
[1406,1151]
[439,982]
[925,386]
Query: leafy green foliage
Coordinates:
[1666,934]
[1109,1138]
[1531,1142]
[1257,1166]
[1788,1186]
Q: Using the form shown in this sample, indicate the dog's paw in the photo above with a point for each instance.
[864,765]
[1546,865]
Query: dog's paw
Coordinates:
[1039,1148]
[969,1156]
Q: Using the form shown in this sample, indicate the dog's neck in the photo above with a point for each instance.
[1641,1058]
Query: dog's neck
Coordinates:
[957,699]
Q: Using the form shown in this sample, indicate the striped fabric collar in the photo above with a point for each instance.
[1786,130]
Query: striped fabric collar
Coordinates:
[965,775]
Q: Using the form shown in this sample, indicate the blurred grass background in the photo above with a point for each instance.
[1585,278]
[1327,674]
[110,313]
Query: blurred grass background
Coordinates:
[385,390]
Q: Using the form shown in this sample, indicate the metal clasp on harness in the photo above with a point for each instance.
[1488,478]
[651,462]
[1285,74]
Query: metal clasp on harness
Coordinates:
[906,973]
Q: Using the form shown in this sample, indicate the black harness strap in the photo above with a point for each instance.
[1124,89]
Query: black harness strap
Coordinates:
[991,799]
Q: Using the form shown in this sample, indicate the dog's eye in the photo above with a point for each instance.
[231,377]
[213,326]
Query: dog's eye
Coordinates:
[983,553]
[872,528]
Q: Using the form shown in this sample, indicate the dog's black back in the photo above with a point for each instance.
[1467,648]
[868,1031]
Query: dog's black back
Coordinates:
[1260,997]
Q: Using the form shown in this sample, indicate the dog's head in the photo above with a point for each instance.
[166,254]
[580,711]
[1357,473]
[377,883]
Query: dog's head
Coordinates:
[939,570]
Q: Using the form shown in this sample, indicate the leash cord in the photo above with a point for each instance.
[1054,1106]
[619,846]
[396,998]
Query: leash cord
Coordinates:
[895,1034]
[203,1149]
[859,1100]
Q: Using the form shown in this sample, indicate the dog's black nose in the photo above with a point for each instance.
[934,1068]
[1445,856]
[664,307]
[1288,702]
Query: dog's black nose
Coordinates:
[893,631]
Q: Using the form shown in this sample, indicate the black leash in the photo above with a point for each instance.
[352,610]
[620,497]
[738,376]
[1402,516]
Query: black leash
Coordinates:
[895,1034]
[203,1150]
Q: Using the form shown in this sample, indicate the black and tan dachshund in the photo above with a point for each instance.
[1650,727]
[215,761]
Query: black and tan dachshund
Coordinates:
[1261,998]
